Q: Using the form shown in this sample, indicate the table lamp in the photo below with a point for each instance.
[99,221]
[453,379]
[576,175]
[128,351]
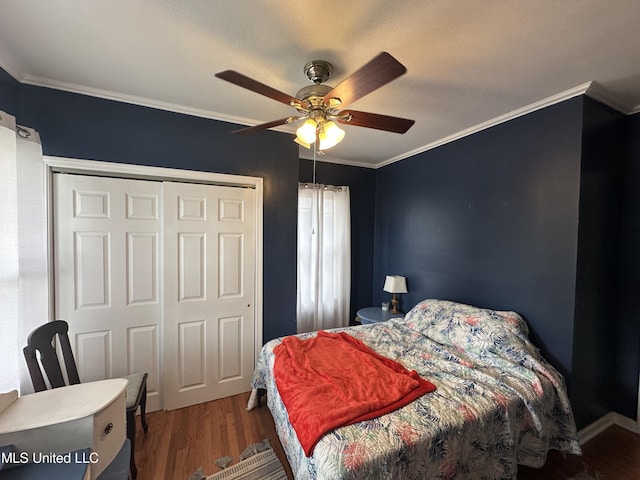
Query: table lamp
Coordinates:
[395,284]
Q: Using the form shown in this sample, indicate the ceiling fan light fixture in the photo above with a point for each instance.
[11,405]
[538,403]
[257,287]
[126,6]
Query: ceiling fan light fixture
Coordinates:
[319,104]
[307,132]
[330,135]
[302,143]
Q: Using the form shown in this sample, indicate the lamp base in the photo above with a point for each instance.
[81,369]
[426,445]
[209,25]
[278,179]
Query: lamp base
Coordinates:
[395,304]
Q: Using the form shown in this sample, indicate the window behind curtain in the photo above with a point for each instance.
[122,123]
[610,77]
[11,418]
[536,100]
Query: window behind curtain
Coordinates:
[24,293]
[324,257]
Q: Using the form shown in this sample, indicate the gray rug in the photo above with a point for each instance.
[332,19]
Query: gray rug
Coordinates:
[261,466]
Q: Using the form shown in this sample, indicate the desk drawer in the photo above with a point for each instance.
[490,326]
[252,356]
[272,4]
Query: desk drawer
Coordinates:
[109,433]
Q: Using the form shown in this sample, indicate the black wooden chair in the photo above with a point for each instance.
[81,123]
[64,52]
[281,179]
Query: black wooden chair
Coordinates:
[42,340]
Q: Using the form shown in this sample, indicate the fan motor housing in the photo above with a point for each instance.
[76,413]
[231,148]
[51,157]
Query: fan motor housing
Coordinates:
[313,93]
[318,71]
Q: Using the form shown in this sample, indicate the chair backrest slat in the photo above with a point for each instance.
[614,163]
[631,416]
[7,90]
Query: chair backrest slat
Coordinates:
[42,340]
[34,369]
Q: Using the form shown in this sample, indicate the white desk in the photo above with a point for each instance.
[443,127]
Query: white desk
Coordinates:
[65,419]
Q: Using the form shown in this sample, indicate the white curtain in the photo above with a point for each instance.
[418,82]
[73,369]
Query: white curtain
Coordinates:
[24,292]
[324,257]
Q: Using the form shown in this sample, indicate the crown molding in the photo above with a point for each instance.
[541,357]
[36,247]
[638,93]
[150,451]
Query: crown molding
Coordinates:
[601,94]
[135,100]
[11,66]
[304,155]
[590,89]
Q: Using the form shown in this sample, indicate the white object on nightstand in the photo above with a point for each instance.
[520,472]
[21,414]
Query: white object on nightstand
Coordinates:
[376,314]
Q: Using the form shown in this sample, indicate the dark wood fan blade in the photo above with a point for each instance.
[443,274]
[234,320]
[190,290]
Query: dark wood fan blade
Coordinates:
[378,72]
[255,86]
[265,126]
[377,121]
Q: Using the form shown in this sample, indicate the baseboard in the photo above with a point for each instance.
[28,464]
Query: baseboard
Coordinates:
[600,425]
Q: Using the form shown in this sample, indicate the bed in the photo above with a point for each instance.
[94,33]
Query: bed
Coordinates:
[497,402]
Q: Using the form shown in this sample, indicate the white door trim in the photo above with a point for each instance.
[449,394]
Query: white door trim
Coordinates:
[124,170]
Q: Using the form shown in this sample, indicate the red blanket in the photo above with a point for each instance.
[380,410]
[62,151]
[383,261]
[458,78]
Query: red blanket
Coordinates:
[334,380]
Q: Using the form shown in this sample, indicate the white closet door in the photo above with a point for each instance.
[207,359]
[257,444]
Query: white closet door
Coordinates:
[209,259]
[107,250]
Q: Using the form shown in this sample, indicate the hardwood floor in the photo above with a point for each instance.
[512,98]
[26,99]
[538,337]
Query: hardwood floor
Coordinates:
[180,441]
[612,455]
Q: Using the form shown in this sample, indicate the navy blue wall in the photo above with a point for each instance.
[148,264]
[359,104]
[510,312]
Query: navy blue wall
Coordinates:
[490,220]
[598,260]
[527,216]
[79,126]
[9,93]
[627,346]
[361,183]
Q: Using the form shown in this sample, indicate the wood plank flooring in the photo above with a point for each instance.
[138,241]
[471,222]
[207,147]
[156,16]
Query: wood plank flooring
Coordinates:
[180,441]
[612,455]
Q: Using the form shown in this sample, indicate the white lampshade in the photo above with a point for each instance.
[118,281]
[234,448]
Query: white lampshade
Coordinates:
[300,142]
[395,284]
[330,135]
[307,132]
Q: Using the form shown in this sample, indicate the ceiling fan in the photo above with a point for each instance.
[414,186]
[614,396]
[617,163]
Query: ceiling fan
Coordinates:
[320,106]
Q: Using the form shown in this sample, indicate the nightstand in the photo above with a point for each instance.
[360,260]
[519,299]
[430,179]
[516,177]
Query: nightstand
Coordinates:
[376,314]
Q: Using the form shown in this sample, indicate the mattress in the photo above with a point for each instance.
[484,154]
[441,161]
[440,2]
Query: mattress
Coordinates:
[498,402]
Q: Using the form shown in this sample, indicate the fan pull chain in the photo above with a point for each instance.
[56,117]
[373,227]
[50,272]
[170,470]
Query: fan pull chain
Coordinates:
[313,228]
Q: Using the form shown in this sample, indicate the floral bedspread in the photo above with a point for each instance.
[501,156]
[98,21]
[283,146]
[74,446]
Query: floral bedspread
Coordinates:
[498,403]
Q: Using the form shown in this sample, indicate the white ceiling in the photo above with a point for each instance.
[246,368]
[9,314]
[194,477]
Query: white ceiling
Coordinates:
[471,64]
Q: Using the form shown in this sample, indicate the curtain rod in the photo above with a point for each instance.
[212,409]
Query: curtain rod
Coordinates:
[23,132]
[321,186]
